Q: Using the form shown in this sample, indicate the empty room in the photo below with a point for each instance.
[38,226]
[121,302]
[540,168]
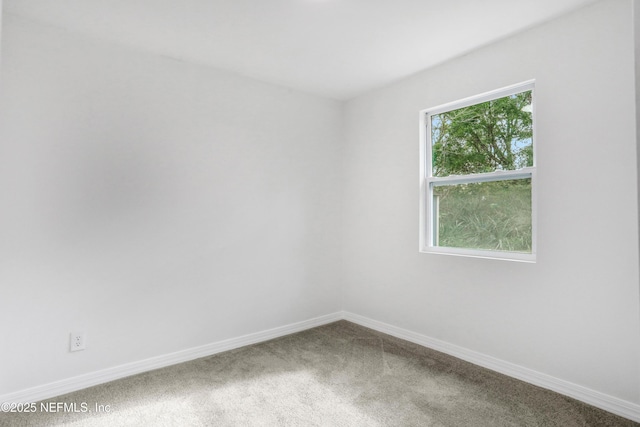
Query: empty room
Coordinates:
[319,213]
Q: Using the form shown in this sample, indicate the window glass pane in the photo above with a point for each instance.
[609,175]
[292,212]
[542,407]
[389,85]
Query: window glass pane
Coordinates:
[493,135]
[492,215]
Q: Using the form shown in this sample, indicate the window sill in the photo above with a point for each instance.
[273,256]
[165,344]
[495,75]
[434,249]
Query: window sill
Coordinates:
[471,253]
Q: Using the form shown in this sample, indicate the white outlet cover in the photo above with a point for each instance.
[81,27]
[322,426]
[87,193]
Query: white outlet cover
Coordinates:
[77,341]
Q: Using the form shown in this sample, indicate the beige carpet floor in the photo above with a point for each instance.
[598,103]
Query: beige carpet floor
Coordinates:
[339,374]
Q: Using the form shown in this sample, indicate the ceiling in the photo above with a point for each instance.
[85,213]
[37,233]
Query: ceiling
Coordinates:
[333,48]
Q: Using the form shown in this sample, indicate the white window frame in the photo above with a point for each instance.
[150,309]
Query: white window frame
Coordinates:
[428,181]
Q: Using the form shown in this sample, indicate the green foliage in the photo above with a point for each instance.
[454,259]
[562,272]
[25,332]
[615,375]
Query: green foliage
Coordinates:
[489,215]
[484,137]
[493,135]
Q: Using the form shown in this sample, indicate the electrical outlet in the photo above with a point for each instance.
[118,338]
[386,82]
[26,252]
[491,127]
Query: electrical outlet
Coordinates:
[78,341]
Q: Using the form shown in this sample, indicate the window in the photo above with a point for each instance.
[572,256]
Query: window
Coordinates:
[478,174]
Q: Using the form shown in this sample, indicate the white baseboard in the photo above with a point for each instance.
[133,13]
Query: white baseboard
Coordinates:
[69,385]
[600,400]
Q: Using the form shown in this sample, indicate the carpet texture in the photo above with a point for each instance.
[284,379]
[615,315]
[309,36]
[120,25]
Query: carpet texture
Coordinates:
[339,374]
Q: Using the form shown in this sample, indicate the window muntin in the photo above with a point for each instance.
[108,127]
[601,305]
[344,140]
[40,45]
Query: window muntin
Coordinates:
[478,176]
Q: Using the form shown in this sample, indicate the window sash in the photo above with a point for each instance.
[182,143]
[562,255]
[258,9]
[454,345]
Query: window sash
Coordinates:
[430,226]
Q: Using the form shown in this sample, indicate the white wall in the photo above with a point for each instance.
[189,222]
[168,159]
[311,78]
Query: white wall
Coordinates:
[155,204]
[0,26]
[574,314]
[636,34]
